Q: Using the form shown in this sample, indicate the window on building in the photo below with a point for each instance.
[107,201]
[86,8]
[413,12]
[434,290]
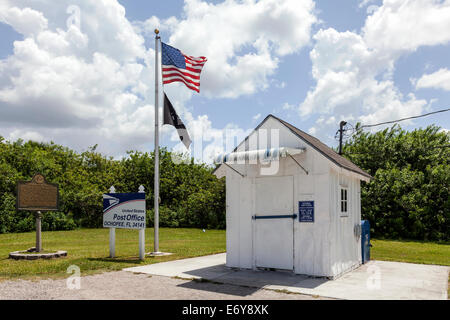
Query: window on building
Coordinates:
[344,201]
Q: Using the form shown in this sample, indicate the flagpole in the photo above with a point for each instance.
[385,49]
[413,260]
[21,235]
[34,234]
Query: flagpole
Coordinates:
[156,189]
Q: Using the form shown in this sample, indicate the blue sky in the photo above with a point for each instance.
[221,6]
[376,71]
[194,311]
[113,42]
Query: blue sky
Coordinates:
[84,75]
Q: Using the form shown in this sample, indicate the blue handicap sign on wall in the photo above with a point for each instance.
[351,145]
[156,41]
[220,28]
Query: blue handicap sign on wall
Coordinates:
[306,211]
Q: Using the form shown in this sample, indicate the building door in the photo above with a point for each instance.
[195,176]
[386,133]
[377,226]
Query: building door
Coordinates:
[273,245]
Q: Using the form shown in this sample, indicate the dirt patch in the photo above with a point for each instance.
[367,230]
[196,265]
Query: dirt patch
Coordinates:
[128,286]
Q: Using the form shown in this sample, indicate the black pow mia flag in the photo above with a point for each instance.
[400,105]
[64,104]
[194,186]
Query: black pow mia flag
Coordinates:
[171,117]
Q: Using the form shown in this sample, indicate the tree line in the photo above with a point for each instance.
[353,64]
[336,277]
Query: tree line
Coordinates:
[408,196]
[191,196]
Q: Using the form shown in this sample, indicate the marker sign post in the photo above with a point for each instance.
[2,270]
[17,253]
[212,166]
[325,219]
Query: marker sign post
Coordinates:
[124,211]
[37,195]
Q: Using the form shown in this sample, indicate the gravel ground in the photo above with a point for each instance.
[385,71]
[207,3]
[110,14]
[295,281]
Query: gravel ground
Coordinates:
[128,286]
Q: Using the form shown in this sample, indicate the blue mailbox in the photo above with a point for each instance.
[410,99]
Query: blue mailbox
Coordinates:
[365,240]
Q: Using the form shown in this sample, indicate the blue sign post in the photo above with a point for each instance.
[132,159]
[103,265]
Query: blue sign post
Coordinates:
[306,211]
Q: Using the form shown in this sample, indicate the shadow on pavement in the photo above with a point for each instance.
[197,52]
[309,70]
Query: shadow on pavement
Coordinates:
[217,287]
[251,280]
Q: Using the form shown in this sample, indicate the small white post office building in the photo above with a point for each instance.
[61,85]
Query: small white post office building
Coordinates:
[292,203]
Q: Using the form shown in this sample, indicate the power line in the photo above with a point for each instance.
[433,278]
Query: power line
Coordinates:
[341,133]
[373,153]
[413,117]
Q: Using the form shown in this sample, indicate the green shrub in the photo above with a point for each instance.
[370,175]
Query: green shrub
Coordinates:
[53,221]
[409,195]
[191,195]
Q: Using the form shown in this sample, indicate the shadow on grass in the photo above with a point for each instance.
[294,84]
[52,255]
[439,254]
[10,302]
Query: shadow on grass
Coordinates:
[134,260]
[442,242]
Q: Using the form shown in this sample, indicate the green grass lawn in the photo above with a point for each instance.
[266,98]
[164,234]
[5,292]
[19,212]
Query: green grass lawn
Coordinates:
[410,251]
[89,250]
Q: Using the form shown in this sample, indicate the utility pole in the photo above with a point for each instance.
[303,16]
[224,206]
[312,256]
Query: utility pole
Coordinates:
[341,131]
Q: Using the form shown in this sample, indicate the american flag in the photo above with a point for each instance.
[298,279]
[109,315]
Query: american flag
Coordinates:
[177,66]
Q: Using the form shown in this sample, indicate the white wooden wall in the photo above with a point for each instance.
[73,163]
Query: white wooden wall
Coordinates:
[326,247]
[346,247]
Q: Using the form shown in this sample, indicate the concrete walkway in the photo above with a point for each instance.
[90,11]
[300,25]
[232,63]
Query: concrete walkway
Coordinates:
[374,280]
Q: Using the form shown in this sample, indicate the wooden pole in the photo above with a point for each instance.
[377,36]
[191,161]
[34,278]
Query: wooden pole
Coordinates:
[141,234]
[38,232]
[341,132]
[112,234]
[112,242]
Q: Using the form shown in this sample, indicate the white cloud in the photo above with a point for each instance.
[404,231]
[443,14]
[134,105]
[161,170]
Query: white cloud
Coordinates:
[287,106]
[400,26]
[102,22]
[364,3]
[256,117]
[354,72]
[73,85]
[91,82]
[437,80]
[94,84]
[243,40]
[346,71]
[25,21]
[280,85]
[312,131]
[25,135]
[371,9]
[209,142]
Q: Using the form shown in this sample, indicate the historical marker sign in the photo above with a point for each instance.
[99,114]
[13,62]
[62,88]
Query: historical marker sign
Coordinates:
[37,195]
